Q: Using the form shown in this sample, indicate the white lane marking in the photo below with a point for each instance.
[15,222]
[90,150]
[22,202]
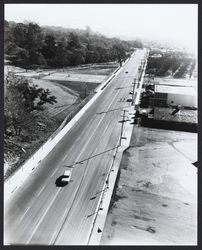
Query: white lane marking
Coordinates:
[83,149]
[39,222]
[24,213]
[42,217]
[68,152]
[63,218]
[54,172]
[106,128]
[60,188]
[40,191]
[73,145]
[53,238]
[65,213]
[78,138]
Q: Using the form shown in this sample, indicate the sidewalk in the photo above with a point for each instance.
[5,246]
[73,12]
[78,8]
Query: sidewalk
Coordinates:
[101,214]
[102,209]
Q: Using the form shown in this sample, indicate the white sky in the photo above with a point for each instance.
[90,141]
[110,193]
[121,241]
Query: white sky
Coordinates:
[176,23]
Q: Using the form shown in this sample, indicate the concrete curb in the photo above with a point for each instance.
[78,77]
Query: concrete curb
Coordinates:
[115,73]
[105,199]
[104,202]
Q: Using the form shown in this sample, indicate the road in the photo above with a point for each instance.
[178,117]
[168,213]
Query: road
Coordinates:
[39,212]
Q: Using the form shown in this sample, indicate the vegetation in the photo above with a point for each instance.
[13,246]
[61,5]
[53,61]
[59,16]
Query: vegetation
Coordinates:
[21,102]
[25,121]
[28,45]
[176,64]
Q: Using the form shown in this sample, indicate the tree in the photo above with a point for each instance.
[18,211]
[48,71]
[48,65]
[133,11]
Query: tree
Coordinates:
[20,57]
[21,100]
[20,33]
[79,56]
[9,43]
[35,37]
[119,51]
[192,67]
[175,65]
[15,111]
[183,69]
[29,45]
[171,63]
[49,49]
[63,56]
[73,41]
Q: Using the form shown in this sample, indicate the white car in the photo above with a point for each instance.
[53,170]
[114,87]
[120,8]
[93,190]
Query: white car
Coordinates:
[66,176]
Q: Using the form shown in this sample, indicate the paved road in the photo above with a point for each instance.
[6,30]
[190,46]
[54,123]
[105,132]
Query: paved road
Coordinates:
[42,213]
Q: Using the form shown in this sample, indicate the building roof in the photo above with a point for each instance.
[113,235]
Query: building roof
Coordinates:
[175,82]
[181,90]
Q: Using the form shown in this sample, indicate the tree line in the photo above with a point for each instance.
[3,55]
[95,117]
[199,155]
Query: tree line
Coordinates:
[28,45]
[177,64]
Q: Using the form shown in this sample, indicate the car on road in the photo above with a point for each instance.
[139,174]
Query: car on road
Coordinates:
[66,176]
[64,179]
[126,72]
[129,99]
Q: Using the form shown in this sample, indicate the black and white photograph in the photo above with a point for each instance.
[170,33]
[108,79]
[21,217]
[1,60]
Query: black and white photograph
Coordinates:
[100,124]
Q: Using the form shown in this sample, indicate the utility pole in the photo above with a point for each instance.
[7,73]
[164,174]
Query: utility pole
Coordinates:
[85,90]
[124,111]
[133,91]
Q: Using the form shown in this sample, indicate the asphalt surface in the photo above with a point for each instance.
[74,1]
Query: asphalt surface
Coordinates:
[41,213]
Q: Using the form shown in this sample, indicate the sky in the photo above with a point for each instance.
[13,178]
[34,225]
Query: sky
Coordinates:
[175,23]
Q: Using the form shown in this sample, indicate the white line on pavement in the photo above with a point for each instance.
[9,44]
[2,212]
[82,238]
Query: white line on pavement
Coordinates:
[54,237]
[24,213]
[54,172]
[41,190]
[56,169]
[42,217]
